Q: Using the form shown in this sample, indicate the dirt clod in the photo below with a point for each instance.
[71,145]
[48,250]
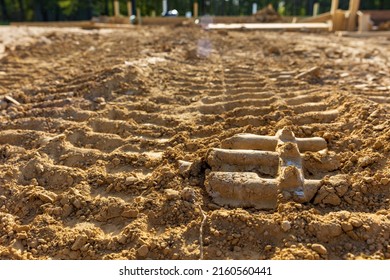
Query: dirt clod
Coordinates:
[143,251]
[320,249]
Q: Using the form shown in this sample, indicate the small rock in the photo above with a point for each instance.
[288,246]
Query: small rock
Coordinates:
[338,180]
[116,161]
[379,127]
[286,225]
[356,223]
[175,256]
[122,239]
[320,249]
[274,50]
[32,243]
[215,232]
[41,240]
[69,180]
[366,161]
[341,190]
[22,235]
[375,114]
[143,251]
[184,166]
[370,241]
[167,251]
[332,199]
[172,194]
[213,206]
[67,209]
[79,242]
[131,180]
[235,241]
[99,100]
[385,181]
[21,228]
[45,198]
[188,194]
[325,231]
[77,203]
[3,105]
[344,215]
[348,246]
[17,245]
[114,211]
[130,213]
[346,227]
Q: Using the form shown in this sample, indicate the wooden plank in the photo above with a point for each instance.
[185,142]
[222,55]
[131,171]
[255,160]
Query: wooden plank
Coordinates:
[116,8]
[378,15]
[139,19]
[338,21]
[163,20]
[129,8]
[320,18]
[269,26]
[363,34]
[81,24]
[316,8]
[196,9]
[334,7]
[364,22]
[97,25]
[352,14]
[75,24]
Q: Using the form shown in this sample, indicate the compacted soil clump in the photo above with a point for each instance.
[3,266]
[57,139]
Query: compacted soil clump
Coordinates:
[105,137]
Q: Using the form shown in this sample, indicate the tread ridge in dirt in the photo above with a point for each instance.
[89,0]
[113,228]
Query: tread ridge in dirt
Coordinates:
[235,181]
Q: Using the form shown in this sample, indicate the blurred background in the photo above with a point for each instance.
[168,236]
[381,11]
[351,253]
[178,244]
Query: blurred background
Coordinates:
[60,10]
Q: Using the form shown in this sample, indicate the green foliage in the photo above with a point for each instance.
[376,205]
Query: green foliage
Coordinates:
[68,6]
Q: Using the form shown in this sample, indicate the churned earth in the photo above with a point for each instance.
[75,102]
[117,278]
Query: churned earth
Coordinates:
[105,137]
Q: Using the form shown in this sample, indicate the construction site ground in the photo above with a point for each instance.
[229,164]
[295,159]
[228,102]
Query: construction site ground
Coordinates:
[95,126]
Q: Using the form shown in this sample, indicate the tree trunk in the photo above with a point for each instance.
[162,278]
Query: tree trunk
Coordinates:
[4,10]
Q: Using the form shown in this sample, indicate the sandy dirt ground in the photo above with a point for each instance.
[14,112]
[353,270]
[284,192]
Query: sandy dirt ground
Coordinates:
[94,143]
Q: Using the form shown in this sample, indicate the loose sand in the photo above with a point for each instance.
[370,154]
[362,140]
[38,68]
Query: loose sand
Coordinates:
[89,160]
